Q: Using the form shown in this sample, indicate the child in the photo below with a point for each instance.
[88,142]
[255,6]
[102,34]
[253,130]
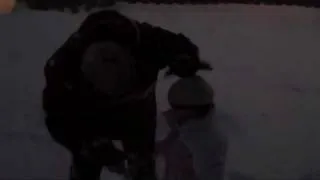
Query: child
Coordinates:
[178,157]
[193,149]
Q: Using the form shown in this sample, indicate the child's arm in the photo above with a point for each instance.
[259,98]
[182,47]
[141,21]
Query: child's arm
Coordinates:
[161,146]
[173,135]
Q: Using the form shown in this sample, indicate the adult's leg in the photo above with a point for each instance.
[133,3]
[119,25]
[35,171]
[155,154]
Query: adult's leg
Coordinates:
[64,132]
[140,148]
[83,169]
[68,135]
[139,142]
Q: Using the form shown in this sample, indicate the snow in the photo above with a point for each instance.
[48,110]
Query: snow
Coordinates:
[266,63]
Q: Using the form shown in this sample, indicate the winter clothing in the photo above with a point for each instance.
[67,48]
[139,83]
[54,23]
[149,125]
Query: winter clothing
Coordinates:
[80,107]
[194,150]
[207,145]
[178,158]
[192,144]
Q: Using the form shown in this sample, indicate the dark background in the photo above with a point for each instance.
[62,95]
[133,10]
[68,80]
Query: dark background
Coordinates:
[74,5]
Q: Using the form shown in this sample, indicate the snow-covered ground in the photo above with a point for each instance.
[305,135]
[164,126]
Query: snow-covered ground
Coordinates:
[266,80]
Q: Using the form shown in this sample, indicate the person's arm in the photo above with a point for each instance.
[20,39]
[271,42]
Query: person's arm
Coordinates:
[162,146]
[62,76]
[158,43]
[173,50]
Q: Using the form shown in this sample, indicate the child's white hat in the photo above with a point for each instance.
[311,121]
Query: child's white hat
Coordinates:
[191,91]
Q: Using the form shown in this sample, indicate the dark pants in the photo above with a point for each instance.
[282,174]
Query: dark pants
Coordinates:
[134,125]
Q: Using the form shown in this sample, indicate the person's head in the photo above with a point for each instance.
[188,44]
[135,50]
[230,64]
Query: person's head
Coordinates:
[190,98]
[109,68]
[110,25]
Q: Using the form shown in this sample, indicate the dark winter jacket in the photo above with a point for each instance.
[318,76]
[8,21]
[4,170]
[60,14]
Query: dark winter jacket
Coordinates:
[68,95]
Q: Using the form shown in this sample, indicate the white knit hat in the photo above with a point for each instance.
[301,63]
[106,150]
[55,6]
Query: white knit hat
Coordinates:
[191,91]
[109,67]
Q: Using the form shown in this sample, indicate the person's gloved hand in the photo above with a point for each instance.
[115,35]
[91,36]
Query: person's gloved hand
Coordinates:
[102,151]
[186,66]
